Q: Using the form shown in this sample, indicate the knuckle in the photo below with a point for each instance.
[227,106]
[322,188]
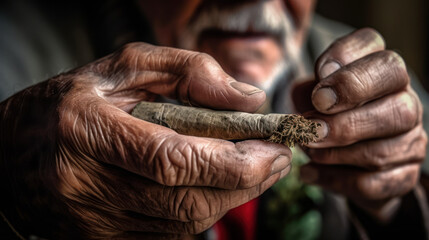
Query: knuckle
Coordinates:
[376,158]
[393,57]
[420,150]
[202,61]
[202,58]
[124,60]
[405,109]
[126,56]
[394,61]
[369,187]
[129,49]
[191,205]
[164,172]
[373,35]
[386,184]
[176,163]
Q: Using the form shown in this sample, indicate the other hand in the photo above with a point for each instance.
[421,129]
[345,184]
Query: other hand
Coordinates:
[372,142]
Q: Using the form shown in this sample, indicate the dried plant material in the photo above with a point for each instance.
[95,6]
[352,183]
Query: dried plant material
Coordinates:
[229,125]
[295,129]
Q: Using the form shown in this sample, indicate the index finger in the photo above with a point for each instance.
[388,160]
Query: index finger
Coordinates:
[354,70]
[362,81]
[349,49]
[162,155]
[191,77]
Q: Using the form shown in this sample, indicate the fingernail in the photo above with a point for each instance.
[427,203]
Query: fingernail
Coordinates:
[324,99]
[329,68]
[323,130]
[245,88]
[309,174]
[280,163]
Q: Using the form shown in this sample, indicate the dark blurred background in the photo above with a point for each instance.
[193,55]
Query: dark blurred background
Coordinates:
[403,23]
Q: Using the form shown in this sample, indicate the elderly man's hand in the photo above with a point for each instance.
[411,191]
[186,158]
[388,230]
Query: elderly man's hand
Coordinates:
[74,163]
[372,141]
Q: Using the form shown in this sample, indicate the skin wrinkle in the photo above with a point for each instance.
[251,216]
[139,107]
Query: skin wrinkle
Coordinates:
[360,86]
[118,149]
[407,117]
[95,135]
[350,129]
[129,54]
[396,114]
[159,207]
[64,170]
[420,141]
[361,89]
[175,168]
[197,206]
[215,95]
[181,206]
[215,203]
[377,154]
[344,49]
[380,157]
[248,173]
[152,78]
[211,172]
[238,175]
[154,156]
[163,166]
[186,161]
[107,203]
[419,105]
[183,83]
[233,177]
[197,162]
[200,59]
[353,119]
[395,58]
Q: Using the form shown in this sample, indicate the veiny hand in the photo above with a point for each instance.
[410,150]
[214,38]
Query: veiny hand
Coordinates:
[75,164]
[372,141]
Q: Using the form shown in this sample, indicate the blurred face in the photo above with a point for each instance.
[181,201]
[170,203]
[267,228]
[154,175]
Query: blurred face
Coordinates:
[254,41]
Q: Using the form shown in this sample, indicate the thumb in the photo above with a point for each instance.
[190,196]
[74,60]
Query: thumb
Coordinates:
[209,86]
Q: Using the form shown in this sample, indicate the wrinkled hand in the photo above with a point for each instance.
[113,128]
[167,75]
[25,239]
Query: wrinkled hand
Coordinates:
[372,141]
[75,164]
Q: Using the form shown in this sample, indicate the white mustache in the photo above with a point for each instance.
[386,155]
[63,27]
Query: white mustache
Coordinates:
[261,17]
